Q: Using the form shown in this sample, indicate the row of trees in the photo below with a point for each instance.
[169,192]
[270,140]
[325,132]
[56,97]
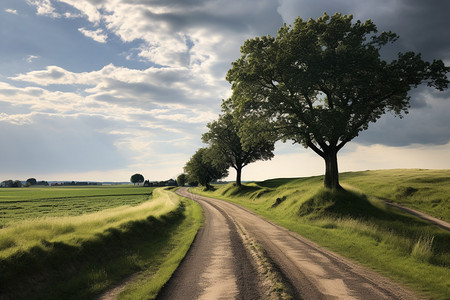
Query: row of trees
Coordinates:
[139,178]
[11,183]
[318,83]
[18,183]
[227,149]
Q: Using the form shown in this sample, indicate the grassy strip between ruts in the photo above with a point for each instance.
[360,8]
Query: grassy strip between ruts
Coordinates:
[81,257]
[363,228]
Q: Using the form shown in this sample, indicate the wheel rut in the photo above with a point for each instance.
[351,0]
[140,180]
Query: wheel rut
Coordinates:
[220,264]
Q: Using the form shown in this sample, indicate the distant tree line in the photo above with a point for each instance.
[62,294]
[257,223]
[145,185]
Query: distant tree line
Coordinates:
[17,183]
[11,183]
[139,179]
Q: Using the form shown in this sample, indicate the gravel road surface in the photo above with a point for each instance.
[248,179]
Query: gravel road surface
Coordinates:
[221,265]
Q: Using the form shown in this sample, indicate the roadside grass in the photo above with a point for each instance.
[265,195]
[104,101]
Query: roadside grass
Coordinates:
[149,282]
[17,204]
[363,228]
[425,190]
[80,257]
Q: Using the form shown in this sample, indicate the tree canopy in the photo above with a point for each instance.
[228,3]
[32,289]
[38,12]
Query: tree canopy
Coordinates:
[182,179]
[137,178]
[321,82]
[227,146]
[32,181]
[202,169]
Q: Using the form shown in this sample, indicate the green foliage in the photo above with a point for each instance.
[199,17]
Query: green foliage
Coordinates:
[11,183]
[137,178]
[361,226]
[203,168]
[182,179]
[31,181]
[321,82]
[228,147]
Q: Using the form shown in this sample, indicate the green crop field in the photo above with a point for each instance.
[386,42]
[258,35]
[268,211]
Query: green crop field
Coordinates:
[359,225]
[18,204]
[61,243]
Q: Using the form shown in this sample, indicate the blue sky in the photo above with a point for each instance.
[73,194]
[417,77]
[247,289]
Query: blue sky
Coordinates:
[99,90]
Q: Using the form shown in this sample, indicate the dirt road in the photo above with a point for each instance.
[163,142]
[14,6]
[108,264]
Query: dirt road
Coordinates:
[220,266]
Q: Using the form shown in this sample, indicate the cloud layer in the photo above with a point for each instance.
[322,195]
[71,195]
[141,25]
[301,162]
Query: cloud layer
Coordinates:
[130,85]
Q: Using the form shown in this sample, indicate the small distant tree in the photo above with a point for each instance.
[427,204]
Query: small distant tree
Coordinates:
[182,179]
[202,169]
[32,181]
[137,178]
[228,147]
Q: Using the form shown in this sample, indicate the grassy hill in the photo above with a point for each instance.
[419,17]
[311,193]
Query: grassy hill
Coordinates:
[91,240]
[359,225]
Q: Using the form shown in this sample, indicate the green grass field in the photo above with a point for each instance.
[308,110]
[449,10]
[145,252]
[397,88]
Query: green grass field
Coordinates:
[358,225]
[80,253]
[36,202]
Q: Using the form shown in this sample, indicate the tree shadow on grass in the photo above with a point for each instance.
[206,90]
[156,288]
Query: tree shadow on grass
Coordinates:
[349,205]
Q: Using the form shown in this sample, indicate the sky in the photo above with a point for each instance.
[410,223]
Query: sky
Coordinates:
[99,90]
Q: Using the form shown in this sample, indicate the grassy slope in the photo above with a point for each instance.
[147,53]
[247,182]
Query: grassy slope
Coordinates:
[79,257]
[362,228]
[424,190]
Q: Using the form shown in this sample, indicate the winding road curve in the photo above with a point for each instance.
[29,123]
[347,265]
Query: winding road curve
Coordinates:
[220,264]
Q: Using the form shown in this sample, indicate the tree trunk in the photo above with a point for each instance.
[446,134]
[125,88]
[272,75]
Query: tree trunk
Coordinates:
[331,170]
[238,176]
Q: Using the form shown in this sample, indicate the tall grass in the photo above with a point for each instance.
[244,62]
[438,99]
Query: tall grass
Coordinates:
[24,235]
[423,248]
[79,257]
[359,226]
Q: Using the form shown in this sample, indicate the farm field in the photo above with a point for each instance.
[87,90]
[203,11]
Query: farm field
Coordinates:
[91,240]
[18,204]
[360,226]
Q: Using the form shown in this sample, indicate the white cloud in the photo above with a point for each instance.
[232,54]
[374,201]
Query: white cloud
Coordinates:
[44,8]
[11,11]
[30,58]
[156,115]
[88,9]
[96,35]
[130,87]
[19,119]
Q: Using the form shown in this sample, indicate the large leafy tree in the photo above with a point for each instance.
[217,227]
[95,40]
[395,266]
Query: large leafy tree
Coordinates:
[203,169]
[227,146]
[321,82]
